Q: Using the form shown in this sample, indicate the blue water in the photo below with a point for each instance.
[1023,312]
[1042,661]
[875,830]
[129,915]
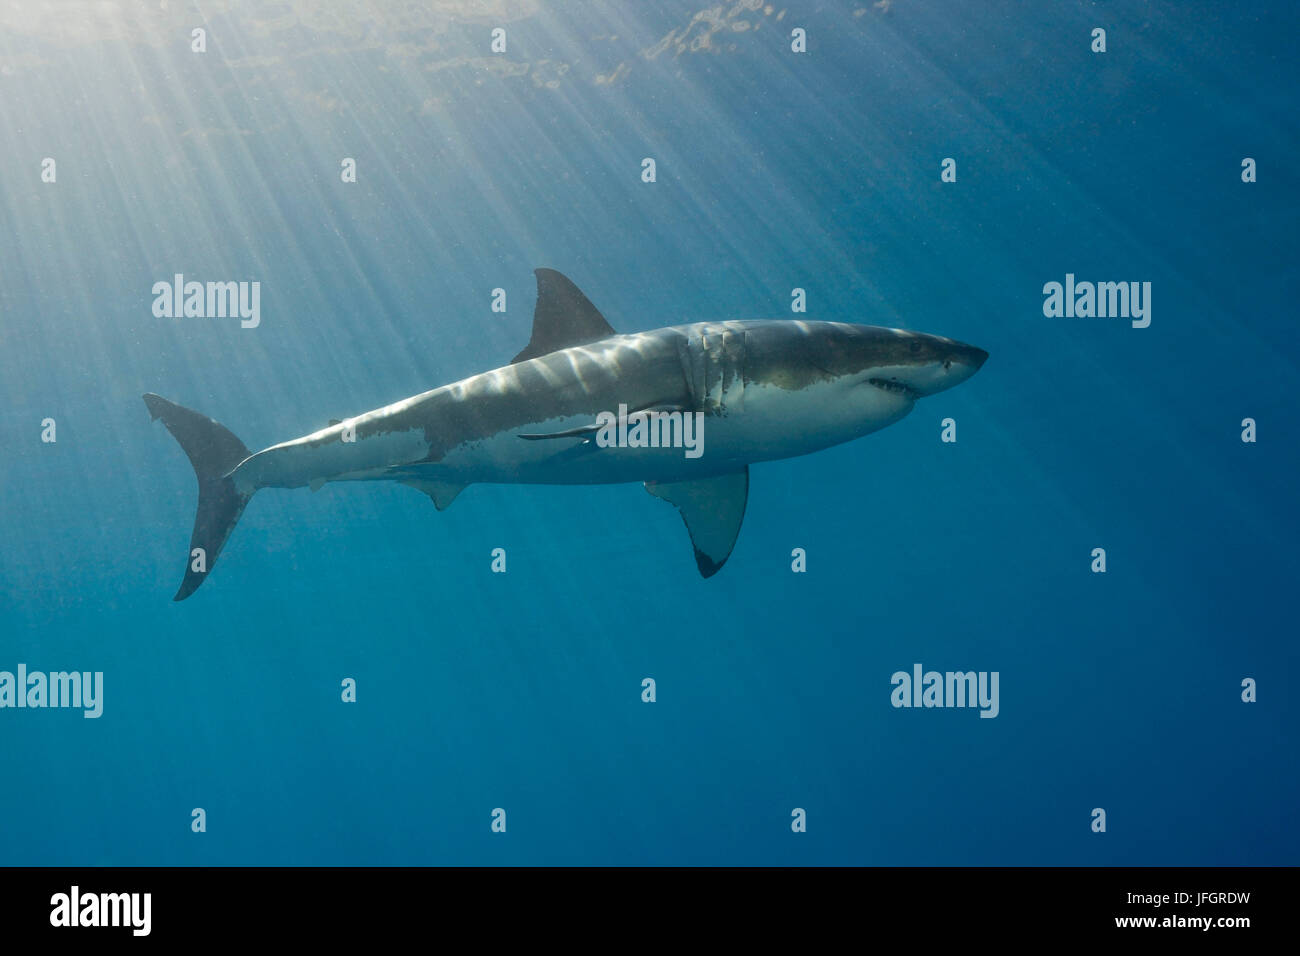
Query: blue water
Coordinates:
[522,690]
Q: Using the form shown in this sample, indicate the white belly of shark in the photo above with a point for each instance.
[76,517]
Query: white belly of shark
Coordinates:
[751,391]
[775,423]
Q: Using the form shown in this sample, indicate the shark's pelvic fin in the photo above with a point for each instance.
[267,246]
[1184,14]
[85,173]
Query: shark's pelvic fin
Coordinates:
[443,493]
[214,452]
[564,317]
[713,509]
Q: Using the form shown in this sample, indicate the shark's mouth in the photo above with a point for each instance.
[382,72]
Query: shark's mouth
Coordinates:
[889,385]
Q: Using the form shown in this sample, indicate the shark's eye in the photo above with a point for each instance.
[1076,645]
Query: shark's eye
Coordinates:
[947,364]
[914,345]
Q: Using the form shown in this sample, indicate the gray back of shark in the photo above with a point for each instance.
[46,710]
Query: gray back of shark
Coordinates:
[684,409]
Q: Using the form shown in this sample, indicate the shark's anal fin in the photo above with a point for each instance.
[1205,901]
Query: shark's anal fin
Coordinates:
[713,509]
[564,317]
[443,493]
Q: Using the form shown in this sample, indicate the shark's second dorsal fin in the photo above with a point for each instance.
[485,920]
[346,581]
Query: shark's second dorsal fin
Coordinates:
[564,317]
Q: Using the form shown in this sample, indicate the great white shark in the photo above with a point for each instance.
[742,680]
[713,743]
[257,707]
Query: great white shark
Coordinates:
[763,390]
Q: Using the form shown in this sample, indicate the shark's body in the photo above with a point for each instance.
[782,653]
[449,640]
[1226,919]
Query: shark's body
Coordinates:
[759,390]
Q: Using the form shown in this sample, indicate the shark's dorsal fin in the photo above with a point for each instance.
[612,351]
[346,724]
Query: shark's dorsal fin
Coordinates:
[443,493]
[564,317]
[713,509]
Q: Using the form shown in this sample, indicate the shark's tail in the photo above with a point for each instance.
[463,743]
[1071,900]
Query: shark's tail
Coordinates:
[214,452]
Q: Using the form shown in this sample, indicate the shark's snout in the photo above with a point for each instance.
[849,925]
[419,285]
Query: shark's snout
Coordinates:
[961,364]
[938,365]
[972,356]
[957,363]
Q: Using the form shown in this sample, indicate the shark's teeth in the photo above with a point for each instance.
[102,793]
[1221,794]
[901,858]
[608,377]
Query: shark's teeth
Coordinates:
[889,385]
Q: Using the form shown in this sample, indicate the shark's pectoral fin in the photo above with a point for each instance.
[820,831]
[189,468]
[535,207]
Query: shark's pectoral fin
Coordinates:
[443,493]
[713,509]
[564,317]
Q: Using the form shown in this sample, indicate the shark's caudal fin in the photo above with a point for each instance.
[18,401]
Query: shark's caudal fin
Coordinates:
[564,317]
[214,452]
